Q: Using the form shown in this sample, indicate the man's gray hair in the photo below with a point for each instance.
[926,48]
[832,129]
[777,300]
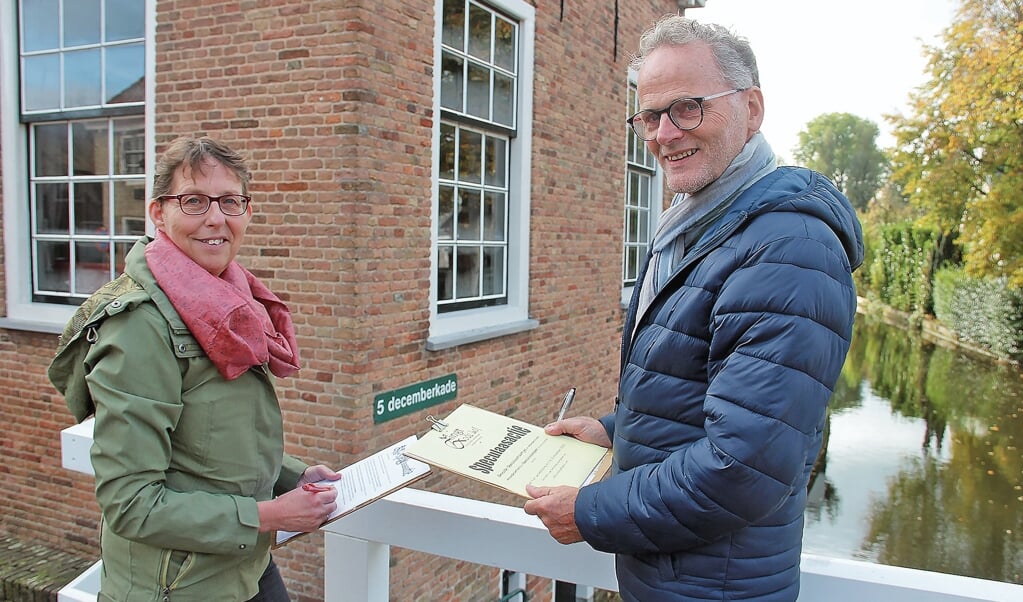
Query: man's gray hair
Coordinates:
[733,54]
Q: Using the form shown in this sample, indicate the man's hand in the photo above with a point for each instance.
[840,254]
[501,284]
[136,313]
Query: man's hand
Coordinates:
[582,428]
[556,508]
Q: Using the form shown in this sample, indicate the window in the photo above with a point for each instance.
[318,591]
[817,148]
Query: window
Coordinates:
[88,201]
[642,199]
[81,122]
[482,176]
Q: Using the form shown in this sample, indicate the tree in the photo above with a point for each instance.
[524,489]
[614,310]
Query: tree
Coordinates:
[958,154]
[843,147]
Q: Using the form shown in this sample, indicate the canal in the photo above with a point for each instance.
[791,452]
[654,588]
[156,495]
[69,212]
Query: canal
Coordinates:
[924,461]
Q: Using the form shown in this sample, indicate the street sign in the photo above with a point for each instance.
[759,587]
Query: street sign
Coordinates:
[399,402]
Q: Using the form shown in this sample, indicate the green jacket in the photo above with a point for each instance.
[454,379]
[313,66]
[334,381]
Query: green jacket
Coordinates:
[181,455]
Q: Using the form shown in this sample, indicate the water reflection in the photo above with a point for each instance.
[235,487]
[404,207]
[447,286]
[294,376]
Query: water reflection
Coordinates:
[924,463]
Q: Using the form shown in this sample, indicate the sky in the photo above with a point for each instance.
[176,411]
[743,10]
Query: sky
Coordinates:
[829,56]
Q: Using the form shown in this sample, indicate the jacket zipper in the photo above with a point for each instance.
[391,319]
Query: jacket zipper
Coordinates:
[698,253]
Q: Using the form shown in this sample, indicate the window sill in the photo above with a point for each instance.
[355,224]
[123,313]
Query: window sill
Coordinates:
[31,325]
[475,335]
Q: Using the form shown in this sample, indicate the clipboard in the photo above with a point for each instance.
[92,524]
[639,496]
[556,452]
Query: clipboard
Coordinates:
[507,453]
[366,481]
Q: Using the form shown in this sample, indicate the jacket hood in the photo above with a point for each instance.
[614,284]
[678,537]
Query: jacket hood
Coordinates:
[67,370]
[805,191]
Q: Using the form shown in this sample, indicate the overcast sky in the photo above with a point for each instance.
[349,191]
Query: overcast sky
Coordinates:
[831,56]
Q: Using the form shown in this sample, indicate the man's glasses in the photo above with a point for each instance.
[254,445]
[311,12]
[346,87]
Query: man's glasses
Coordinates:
[194,203]
[685,113]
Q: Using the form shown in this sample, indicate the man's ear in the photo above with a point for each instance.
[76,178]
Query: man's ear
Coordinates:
[755,106]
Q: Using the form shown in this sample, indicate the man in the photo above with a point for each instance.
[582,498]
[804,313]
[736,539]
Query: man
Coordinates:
[733,343]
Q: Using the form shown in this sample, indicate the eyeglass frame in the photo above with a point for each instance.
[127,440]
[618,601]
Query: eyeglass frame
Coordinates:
[246,199]
[699,100]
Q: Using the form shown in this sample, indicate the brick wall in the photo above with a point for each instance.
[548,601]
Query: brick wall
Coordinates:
[333,104]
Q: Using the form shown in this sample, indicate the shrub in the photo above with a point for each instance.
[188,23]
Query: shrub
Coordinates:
[986,311]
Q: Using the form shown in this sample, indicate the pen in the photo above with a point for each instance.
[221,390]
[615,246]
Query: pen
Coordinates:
[314,488]
[564,405]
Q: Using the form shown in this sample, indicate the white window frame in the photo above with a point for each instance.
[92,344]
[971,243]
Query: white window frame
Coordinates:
[22,312]
[656,190]
[471,325]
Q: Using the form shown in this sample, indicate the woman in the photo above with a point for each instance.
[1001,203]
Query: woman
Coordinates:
[188,447]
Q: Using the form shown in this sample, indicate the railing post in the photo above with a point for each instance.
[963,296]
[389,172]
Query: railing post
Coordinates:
[355,570]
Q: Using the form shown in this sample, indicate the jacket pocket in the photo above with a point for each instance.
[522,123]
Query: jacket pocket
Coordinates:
[185,345]
[174,567]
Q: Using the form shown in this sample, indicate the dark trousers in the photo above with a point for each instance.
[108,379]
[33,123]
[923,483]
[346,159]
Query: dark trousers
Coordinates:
[271,586]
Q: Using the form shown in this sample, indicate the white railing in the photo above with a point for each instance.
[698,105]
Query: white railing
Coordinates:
[357,551]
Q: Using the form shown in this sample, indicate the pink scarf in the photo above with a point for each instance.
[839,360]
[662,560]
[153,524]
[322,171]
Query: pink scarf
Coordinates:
[235,318]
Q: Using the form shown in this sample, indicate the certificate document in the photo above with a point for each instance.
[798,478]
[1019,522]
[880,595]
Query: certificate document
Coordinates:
[368,480]
[508,453]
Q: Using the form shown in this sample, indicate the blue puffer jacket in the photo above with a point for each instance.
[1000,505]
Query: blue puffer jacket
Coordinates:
[722,398]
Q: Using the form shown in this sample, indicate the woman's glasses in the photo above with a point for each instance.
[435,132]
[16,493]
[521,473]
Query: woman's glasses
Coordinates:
[194,203]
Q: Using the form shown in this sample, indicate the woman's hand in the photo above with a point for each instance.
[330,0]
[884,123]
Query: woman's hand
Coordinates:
[304,508]
[315,474]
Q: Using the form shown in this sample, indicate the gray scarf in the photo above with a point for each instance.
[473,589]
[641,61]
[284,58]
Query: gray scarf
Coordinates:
[691,214]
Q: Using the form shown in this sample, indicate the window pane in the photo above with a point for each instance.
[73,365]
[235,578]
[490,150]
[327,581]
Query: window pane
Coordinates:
[470,156]
[39,28]
[121,249]
[451,79]
[478,94]
[81,22]
[51,208]
[92,266]
[129,142]
[632,145]
[504,100]
[493,270]
[129,208]
[447,152]
[479,33]
[496,161]
[90,149]
[446,214]
[468,215]
[125,73]
[631,194]
[50,149]
[467,265]
[504,44]
[91,208]
[41,82]
[125,20]
[445,274]
[454,23]
[631,227]
[82,78]
[494,208]
[53,266]
[631,265]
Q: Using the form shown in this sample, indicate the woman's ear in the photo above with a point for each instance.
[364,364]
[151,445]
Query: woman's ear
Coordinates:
[155,210]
